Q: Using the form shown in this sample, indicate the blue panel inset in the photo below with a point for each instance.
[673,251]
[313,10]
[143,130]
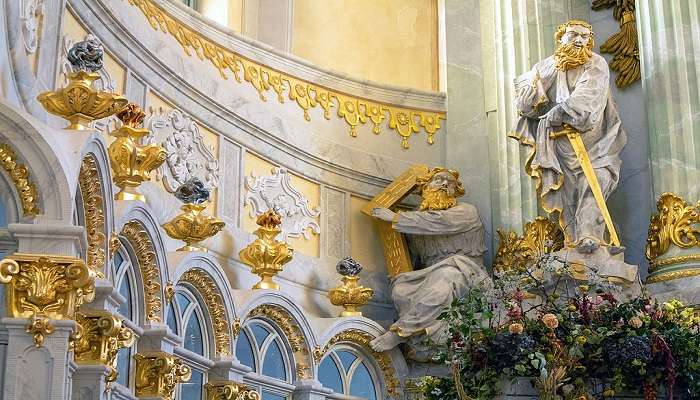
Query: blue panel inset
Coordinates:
[193,335]
[346,358]
[329,375]
[192,390]
[182,301]
[123,360]
[273,366]
[244,350]
[362,384]
[272,396]
[260,333]
[171,320]
[125,292]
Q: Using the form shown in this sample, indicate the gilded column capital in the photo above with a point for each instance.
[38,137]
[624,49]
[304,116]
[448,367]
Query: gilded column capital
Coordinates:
[157,373]
[673,241]
[266,255]
[100,336]
[229,390]
[44,287]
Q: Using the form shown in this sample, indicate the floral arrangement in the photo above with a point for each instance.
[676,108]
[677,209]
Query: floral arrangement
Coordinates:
[575,338]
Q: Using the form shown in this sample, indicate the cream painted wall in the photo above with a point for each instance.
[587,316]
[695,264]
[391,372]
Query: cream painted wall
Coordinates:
[388,41]
[252,164]
[365,245]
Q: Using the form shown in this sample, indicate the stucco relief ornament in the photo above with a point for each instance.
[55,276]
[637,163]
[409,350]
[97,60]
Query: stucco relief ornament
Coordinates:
[275,192]
[32,13]
[187,155]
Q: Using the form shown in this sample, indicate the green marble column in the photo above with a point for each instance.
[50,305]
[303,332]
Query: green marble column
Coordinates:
[517,34]
[669,45]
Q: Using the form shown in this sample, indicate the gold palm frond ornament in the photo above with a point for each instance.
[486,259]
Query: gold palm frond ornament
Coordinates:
[79,102]
[624,45]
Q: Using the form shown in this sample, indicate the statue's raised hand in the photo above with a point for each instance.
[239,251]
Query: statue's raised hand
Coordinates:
[384,214]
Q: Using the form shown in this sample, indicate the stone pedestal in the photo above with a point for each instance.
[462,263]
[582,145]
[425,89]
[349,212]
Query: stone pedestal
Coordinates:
[89,382]
[687,290]
[310,390]
[33,372]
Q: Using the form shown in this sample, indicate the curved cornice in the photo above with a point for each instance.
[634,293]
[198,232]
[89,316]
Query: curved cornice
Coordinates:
[405,111]
[303,148]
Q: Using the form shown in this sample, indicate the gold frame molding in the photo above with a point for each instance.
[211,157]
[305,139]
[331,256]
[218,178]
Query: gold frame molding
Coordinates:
[19,173]
[93,212]
[207,288]
[139,239]
[352,109]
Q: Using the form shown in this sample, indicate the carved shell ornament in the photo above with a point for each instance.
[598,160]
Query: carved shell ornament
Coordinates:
[188,156]
[275,192]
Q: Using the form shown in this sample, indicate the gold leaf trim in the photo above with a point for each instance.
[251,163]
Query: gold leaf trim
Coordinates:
[675,224]
[362,339]
[623,45]
[19,173]
[206,286]
[93,210]
[137,235]
[353,110]
[289,326]
[669,276]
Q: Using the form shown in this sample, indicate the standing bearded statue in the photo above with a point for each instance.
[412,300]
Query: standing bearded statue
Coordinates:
[447,238]
[569,120]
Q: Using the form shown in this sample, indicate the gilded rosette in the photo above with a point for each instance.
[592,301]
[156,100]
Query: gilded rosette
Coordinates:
[229,390]
[79,102]
[193,226]
[350,295]
[673,241]
[45,287]
[100,336]
[266,256]
[132,162]
[157,373]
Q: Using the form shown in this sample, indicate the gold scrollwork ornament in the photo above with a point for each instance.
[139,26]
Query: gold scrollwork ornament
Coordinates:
[132,162]
[672,225]
[157,373]
[19,173]
[207,288]
[229,390]
[101,336]
[515,253]
[266,256]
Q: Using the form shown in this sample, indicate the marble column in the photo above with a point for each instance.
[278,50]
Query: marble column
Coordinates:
[669,35]
[515,35]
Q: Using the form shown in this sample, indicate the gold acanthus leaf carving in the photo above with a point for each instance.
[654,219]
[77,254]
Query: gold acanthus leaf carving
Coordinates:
[674,224]
[350,295]
[515,253]
[353,110]
[206,286]
[229,390]
[19,173]
[139,239]
[157,373]
[93,210]
[101,335]
[289,326]
[193,226]
[362,339]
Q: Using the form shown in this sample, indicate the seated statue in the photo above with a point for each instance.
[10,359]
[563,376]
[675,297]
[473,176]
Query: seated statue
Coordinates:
[447,238]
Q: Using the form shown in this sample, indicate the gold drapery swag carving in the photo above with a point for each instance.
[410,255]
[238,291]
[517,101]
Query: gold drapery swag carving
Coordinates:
[353,110]
[100,336]
[215,305]
[362,339]
[624,45]
[515,253]
[137,235]
[43,287]
[19,173]
[157,373]
[676,224]
[93,210]
[292,332]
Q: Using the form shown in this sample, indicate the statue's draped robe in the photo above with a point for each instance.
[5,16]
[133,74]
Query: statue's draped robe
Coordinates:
[588,106]
[450,245]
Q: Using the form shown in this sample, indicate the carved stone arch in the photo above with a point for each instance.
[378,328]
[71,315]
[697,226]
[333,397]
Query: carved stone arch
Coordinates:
[203,275]
[142,237]
[46,189]
[357,333]
[285,315]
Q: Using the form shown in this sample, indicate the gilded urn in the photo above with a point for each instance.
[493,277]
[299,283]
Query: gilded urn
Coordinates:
[350,294]
[266,255]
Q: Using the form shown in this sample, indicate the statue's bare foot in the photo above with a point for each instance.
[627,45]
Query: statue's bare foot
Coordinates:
[386,342]
[587,246]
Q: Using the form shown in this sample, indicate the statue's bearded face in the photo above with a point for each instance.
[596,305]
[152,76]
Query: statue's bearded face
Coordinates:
[440,193]
[574,47]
